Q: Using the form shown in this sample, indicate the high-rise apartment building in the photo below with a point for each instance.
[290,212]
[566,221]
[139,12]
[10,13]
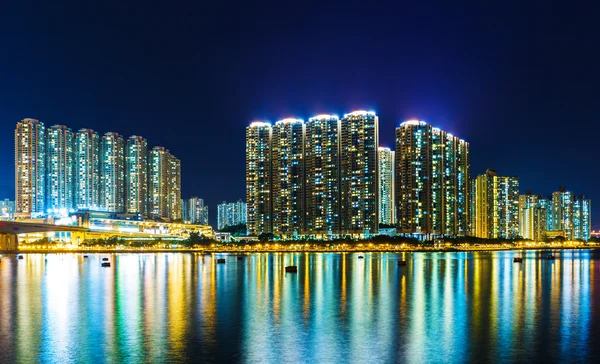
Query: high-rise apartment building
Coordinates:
[7,209]
[322,175]
[164,185]
[30,168]
[258,177]
[174,189]
[359,173]
[582,218]
[195,211]
[231,214]
[571,215]
[158,182]
[87,170]
[386,186]
[59,169]
[287,156]
[136,175]
[112,176]
[431,181]
[532,216]
[495,201]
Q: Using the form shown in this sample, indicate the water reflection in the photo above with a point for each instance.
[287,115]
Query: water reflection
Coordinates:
[440,307]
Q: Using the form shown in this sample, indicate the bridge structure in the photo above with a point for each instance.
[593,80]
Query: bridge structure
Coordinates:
[9,231]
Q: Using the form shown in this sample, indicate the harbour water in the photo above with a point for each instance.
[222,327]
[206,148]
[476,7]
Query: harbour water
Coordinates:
[173,307]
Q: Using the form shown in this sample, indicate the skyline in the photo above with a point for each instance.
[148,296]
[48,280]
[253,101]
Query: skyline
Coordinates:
[511,83]
[284,121]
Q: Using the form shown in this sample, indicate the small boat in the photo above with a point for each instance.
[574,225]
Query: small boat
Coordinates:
[517,260]
[106,264]
[291,269]
[361,257]
[221,261]
[105,259]
[550,257]
[240,258]
[21,257]
[85,256]
[401,263]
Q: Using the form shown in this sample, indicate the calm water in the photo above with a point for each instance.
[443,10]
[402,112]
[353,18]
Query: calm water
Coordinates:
[441,307]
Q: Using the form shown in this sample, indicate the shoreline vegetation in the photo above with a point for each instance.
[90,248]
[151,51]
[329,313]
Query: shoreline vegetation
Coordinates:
[199,244]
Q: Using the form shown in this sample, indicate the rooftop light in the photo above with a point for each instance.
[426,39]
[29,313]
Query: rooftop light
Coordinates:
[259,123]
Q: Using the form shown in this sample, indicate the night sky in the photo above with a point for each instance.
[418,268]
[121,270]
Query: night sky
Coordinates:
[520,83]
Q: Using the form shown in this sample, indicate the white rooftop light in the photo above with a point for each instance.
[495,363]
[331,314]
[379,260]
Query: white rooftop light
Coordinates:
[289,120]
[360,112]
[323,116]
[259,123]
[413,122]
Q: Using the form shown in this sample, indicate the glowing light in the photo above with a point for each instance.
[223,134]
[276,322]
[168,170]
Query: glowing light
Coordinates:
[360,113]
[289,121]
[323,116]
[414,122]
[255,124]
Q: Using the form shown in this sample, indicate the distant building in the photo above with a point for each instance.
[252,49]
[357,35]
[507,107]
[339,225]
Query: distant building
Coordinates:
[87,170]
[432,181]
[322,175]
[495,202]
[59,169]
[112,177]
[258,177]
[532,216]
[195,211]
[136,175]
[570,214]
[386,186]
[164,185]
[359,173]
[7,209]
[231,214]
[287,163]
[30,168]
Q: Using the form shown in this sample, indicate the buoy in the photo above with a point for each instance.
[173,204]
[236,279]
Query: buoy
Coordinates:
[21,257]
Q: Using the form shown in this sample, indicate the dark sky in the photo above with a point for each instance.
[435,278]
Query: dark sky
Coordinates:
[520,83]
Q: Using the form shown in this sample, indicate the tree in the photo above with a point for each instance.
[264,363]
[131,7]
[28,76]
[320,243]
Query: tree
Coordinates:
[235,230]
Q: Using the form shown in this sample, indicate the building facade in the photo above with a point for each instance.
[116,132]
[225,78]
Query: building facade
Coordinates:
[495,201]
[386,186]
[231,214]
[431,181]
[359,166]
[570,215]
[7,209]
[532,216]
[30,168]
[258,177]
[195,211]
[87,170]
[174,189]
[287,156]
[112,173]
[136,175]
[322,171]
[59,169]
